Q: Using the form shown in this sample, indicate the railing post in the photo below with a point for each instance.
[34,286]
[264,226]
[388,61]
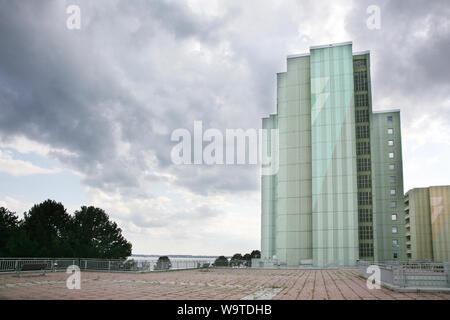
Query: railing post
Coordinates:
[447,272]
[109,265]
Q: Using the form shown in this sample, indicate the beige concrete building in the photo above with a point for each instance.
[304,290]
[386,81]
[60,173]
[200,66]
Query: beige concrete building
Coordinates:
[427,217]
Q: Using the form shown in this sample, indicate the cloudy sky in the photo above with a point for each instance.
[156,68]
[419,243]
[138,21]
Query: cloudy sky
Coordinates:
[86,115]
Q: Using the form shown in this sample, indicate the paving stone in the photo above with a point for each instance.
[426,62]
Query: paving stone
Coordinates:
[220,284]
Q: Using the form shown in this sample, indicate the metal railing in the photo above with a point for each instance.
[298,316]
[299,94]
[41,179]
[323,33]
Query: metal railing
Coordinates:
[86,264]
[411,274]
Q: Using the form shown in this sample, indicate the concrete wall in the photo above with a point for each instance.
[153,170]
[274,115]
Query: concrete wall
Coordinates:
[382,184]
[429,223]
[419,224]
[440,222]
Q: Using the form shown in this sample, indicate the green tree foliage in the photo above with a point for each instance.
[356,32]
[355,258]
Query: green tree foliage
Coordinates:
[236,260]
[163,263]
[248,259]
[48,225]
[9,223]
[96,236]
[221,261]
[256,254]
[47,230]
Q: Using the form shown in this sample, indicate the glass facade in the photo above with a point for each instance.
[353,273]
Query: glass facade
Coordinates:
[334,193]
[269,195]
[293,231]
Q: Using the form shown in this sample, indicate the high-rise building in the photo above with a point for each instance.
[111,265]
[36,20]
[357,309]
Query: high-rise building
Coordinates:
[427,218]
[338,194]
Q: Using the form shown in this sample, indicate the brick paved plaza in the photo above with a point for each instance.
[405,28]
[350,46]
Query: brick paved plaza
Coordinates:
[220,284]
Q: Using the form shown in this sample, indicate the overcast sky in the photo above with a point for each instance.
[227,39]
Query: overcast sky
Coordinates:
[86,115]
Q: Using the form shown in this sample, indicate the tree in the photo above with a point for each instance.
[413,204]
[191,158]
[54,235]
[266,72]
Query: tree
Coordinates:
[236,260]
[221,261]
[163,263]
[48,226]
[97,236]
[47,230]
[248,259]
[9,224]
[256,254]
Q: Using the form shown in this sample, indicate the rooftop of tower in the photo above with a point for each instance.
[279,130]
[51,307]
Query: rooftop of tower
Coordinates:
[292,56]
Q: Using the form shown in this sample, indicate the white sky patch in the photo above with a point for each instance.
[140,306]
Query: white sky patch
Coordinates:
[425,150]
[423,29]
[426,130]
[19,206]
[18,167]
[24,145]
[211,8]
[192,224]
[330,29]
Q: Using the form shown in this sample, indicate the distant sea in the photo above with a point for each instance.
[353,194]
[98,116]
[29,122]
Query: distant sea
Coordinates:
[177,261]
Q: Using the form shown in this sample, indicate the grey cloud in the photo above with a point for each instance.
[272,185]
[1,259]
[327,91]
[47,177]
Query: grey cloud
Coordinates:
[175,220]
[409,52]
[208,180]
[130,69]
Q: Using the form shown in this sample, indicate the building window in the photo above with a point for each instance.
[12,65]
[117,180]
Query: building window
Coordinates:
[365,215]
[390,131]
[361,100]
[364,198]
[392,167]
[362,148]
[392,179]
[395,242]
[394,217]
[365,233]
[394,229]
[391,143]
[366,250]
[361,81]
[393,192]
[362,116]
[391,155]
[394,204]
[359,63]
[389,118]
[362,132]
[364,164]
[364,181]
[395,255]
